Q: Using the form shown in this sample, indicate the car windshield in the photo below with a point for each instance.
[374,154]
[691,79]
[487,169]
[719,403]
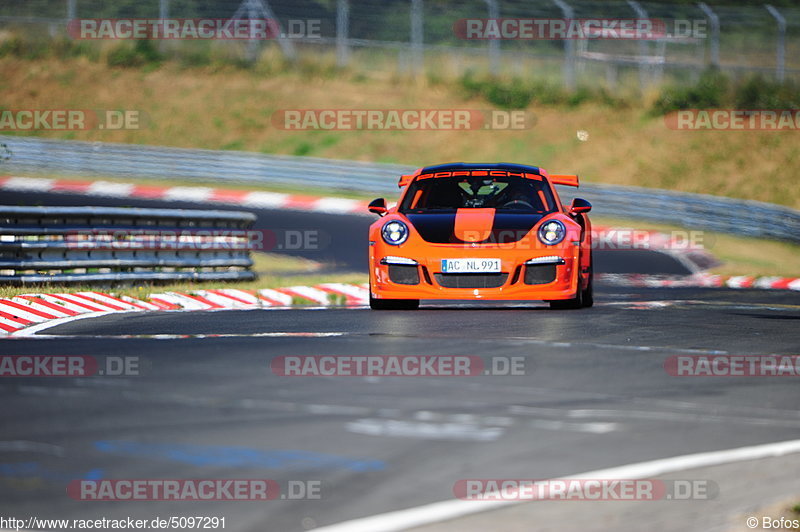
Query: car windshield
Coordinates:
[505,193]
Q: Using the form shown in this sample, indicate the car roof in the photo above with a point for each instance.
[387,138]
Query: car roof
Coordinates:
[480,166]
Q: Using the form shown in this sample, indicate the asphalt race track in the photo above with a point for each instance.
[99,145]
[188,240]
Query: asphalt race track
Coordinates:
[206,404]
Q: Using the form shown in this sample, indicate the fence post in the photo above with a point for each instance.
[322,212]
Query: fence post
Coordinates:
[163,14]
[342,31]
[252,44]
[714,19]
[287,47]
[780,60]
[494,44]
[644,48]
[417,52]
[569,48]
[252,9]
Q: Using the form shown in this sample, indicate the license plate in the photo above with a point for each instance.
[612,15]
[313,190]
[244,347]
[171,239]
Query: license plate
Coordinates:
[470,265]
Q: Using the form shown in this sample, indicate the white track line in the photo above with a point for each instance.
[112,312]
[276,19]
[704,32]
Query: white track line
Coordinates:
[452,509]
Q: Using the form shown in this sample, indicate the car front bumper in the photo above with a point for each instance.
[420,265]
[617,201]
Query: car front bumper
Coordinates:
[511,284]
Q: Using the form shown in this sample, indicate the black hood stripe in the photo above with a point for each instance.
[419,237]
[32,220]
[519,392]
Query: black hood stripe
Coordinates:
[439,228]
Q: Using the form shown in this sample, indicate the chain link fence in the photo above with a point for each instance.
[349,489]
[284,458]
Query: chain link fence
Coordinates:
[420,37]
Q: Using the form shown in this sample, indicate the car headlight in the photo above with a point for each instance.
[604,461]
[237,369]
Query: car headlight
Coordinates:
[394,232]
[552,232]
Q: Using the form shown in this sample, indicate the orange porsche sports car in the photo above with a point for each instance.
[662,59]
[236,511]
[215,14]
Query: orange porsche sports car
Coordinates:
[472,231]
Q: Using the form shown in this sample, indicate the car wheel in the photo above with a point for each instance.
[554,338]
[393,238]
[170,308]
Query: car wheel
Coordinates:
[588,294]
[566,304]
[583,299]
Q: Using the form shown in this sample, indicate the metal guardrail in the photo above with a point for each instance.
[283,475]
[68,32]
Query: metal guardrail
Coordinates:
[102,244]
[694,211]
[95,159]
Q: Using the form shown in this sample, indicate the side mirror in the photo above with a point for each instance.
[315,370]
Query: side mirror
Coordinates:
[579,206]
[378,206]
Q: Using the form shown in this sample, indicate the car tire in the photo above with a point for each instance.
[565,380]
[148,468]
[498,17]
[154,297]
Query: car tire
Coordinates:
[392,304]
[583,299]
[588,294]
[568,304]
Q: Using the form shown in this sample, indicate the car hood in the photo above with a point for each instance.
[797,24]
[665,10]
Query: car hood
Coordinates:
[466,226]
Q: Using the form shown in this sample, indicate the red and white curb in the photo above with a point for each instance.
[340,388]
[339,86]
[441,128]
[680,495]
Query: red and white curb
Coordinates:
[26,311]
[242,198]
[701,280]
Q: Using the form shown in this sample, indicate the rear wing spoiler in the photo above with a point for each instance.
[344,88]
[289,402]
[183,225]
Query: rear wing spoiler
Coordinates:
[405,180]
[556,179]
[567,180]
